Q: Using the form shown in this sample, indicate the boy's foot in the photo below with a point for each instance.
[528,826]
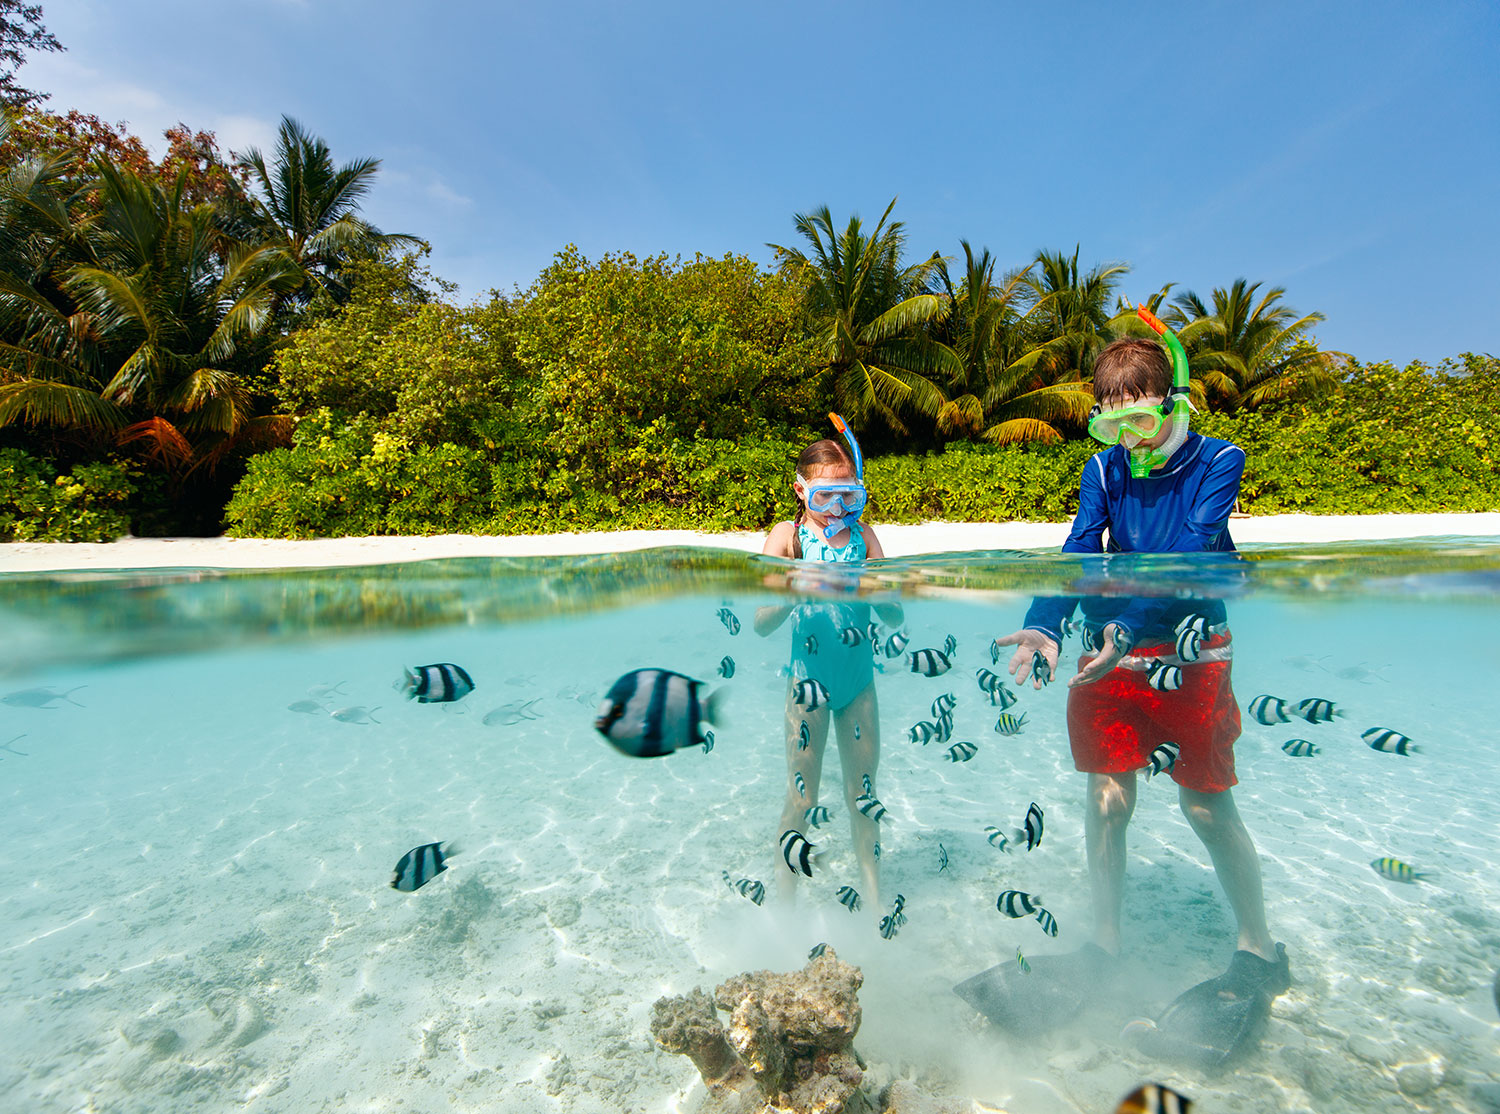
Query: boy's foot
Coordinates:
[1048,996]
[1220,1018]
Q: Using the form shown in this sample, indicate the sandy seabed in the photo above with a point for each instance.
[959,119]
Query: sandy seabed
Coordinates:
[197,915]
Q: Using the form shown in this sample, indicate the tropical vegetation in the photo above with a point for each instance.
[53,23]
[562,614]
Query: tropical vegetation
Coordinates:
[198,340]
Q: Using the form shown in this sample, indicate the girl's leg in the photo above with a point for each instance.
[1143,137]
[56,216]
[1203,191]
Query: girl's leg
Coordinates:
[806,761]
[859,758]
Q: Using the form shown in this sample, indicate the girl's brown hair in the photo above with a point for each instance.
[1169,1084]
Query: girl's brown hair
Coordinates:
[820,454]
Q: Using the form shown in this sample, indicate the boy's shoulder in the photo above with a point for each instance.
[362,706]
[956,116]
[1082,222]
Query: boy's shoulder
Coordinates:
[1200,450]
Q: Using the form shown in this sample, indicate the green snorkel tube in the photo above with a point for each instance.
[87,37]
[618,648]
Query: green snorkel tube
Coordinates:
[1142,461]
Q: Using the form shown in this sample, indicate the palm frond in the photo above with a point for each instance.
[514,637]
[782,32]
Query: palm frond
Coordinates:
[44,402]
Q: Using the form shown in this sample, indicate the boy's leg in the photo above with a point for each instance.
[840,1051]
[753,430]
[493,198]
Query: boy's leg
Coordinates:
[858,758]
[1111,803]
[1217,821]
[809,763]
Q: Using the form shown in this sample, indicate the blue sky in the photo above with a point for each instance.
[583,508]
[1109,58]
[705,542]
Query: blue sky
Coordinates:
[1345,151]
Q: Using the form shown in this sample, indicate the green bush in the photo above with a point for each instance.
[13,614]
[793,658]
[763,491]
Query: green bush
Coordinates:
[88,504]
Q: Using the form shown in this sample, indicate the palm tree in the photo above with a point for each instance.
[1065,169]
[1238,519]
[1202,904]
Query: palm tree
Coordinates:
[867,312]
[992,397]
[307,207]
[164,307]
[1069,316]
[1251,351]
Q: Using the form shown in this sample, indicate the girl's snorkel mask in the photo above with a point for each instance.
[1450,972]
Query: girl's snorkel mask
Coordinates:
[838,499]
[1146,421]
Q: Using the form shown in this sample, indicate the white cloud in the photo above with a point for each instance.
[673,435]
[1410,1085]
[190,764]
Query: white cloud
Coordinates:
[239,133]
[444,194]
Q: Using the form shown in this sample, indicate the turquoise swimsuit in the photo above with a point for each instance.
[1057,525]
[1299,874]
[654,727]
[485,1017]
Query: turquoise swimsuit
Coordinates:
[846,670]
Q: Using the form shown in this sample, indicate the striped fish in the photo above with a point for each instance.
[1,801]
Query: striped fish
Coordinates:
[1034,827]
[988,682]
[1016,904]
[945,703]
[804,736]
[1021,962]
[851,636]
[950,645]
[1189,645]
[896,645]
[889,926]
[1163,677]
[708,740]
[810,644]
[866,783]
[923,732]
[1299,748]
[1388,741]
[869,806]
[942,858]
[1163,758]
[1010,724]
[749,888]
[799,855]
[929,663]
[810,694]
[1003,697]
[731,623]
[995,652]
[1041,672]
[1047,921]
[849,898]
[1315,710]
[421,865]
[1153,1098]
[816,816]
[1269,710]
[649,713]
[436,684]
[1395,870]
[817,950]
[962,752]
[800,782]
[726,667]
[998,839]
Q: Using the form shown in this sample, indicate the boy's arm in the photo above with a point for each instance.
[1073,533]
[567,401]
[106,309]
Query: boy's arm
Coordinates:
[1047,613]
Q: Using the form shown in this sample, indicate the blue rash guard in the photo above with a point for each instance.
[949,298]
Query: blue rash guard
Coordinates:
[1184,508]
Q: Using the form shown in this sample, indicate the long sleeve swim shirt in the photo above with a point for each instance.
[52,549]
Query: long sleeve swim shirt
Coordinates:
[1184,508]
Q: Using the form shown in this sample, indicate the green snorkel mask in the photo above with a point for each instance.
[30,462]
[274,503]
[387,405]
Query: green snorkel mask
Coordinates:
[1146,421]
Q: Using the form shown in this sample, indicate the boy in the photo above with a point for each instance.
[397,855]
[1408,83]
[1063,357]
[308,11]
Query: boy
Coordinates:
[1157,489]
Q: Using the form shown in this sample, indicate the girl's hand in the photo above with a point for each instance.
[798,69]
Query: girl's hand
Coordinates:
[767,619]
[1029,643]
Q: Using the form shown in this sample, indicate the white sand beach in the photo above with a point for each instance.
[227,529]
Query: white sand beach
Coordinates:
[898,540]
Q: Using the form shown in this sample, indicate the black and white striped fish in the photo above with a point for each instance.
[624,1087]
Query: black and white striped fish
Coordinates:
[1004,697]
[1299,748]
[436,684]
[869,806]
[1010,724]
[922,732]
[950,645]
[1189,645]
[897,909]
[944,727]
[1047,921]
[1163,677]
[896,645]
[962,752]
[1041,672]
[810,694]
[708,740]
[810,644]
[731,623]
[726,667]
[1390,742]
[1315,710]
[942,858]
[1162,759]
[889,926]
[799,855]
[421,865]
[851,636]
[817,950]
[800,782]
[929,662]
[873,630]
[998,839]
[945,703]
[1016,904]
[866,783]
[988,682]
[849,898]
[649,713]
[816,816]
[1269,710]
[995,652]
[876,850]
[747,887]
[804,736]
[1034,827]
[1090,639]
[856,732]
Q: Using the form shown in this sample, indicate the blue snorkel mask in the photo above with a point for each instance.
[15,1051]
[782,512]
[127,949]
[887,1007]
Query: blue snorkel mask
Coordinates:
[840,500]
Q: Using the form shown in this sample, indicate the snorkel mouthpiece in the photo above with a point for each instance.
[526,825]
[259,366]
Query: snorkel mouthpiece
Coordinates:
[1142,461]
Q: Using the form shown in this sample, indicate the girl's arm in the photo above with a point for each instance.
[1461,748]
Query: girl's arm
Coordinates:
[778,544]
[779,541]
[872,544]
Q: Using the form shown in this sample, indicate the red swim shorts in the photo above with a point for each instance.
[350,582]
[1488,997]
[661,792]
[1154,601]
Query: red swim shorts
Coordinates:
[1116,722]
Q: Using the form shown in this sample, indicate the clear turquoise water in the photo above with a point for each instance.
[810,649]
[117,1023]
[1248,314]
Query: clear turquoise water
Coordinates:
[197,917]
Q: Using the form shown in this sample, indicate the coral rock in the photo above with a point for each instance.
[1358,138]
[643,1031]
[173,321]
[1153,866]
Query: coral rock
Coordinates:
[690,1027]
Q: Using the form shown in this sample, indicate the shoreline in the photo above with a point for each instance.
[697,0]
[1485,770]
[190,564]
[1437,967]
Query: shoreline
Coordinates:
[898,540]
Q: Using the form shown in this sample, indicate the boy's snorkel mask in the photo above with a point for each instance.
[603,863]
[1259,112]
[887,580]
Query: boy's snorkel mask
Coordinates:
[838,499]
[1146,421]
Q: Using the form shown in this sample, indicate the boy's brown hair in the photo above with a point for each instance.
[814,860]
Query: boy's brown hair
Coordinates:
[1131,368]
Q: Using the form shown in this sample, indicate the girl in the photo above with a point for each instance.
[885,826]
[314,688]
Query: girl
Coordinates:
[830,645]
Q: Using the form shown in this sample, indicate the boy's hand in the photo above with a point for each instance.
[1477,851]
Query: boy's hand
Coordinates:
[1105,660]
[1029,643]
